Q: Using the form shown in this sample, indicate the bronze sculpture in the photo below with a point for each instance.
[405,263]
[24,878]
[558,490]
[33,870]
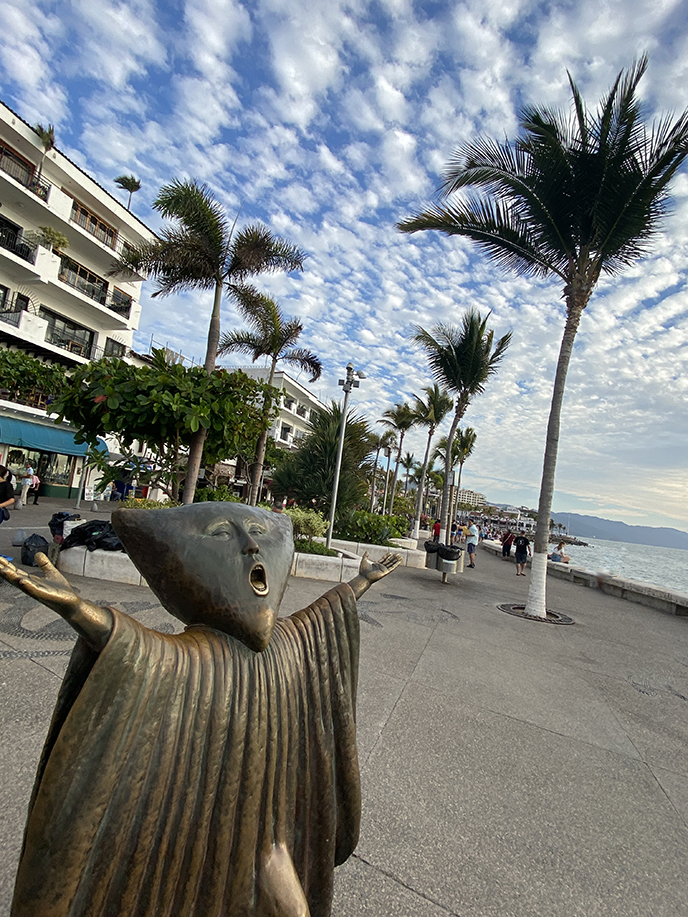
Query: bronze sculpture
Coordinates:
[212,772]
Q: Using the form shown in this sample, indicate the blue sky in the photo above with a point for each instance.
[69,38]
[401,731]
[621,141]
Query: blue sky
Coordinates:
[332,120]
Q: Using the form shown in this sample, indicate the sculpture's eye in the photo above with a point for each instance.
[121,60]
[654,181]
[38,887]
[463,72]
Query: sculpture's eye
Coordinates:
[255,530]
[221,533]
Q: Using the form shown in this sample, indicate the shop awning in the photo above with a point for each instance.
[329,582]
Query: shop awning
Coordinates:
[42,437]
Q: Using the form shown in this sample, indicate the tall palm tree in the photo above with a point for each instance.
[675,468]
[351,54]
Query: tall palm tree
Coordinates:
[465,443]
[47,137]
[378,443]
[270,335]
[200,250]
[430,412]
[461,359]
[400,418]
[407,463]
[128,183]
[573,197]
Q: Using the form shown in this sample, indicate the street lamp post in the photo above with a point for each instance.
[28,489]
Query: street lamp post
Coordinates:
[388,454]
[347,384]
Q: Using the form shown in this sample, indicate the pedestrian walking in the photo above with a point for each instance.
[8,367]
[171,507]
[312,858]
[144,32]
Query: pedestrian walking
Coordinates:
[522,546]
[507,541]
[472,538]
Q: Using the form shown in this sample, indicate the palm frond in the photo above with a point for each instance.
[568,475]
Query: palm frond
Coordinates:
[305,359]
[241,342]
[256,250]
[192,205]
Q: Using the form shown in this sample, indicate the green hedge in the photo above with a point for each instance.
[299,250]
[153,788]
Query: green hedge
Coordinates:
[371,528]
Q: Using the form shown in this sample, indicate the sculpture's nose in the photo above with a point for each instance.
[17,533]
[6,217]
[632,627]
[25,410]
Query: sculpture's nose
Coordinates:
[249,545]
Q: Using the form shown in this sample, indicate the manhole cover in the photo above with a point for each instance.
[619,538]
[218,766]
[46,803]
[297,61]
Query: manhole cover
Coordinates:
[553,617]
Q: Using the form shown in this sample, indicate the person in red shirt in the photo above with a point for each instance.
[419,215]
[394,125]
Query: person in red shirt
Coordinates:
[436,530]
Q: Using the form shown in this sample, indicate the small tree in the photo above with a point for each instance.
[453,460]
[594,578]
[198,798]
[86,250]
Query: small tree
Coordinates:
[47,137]
[128,183]
[23,377]
[400,418]
[163,406]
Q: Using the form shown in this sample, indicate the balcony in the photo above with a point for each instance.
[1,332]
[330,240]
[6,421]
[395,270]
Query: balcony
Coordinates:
[11,241]
[119,303]
[17,169]
[94,291]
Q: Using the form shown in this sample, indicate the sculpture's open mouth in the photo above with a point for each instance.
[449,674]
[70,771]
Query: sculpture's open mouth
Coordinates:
[259,580]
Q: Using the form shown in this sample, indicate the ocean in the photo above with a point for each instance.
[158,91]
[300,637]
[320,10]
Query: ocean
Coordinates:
[665,567]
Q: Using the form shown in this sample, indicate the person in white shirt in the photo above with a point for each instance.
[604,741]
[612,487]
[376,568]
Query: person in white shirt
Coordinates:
[472,541]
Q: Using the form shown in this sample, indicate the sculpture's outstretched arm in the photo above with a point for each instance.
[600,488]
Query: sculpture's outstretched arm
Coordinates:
[370,572]
[92,622]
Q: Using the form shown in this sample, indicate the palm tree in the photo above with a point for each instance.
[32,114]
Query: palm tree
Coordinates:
[430,412]
[461,359]
[308,473]
[407,464]
[400,418]
[47,137]
[202,251]
[271,335]
[465,443]
[572,198]
[128,183]
[377,443]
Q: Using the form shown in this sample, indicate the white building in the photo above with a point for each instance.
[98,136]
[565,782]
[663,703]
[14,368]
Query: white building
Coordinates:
[296,405]
[57,303]
[470,497]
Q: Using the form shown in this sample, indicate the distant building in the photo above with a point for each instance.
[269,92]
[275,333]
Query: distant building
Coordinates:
[470,497]
[57,303]
[296,406]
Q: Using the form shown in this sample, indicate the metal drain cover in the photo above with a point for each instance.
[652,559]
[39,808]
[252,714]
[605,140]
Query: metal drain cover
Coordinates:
[553,617]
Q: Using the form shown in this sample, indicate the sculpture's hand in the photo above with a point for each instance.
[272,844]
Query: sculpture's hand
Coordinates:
[383,567]
[369,572]
[90,621]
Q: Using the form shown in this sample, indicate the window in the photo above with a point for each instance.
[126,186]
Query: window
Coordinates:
[76,275]
[114,348]
[93,225]
[67,335]
[284,432]
[15,165]
[4,298]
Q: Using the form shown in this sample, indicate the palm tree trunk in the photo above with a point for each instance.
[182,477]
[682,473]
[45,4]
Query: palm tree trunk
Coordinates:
[537,592]
[444,514]
[129,201]
[396,475]
[259,459]
[193,466]
[372,495]
[421,484]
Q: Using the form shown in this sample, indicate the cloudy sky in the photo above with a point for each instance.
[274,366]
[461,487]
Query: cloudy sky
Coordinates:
[332,119]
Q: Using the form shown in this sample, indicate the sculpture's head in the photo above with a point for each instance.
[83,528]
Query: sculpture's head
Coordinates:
[225,565]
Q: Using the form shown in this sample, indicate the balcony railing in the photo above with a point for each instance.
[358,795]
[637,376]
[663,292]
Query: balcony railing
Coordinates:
[94,291]
[12,308]
[119,303]
[12,242]
[12,165]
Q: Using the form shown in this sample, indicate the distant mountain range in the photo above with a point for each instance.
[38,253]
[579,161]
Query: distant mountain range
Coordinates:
[594,527]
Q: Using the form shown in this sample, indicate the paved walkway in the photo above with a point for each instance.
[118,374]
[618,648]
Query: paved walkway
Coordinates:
[509,768]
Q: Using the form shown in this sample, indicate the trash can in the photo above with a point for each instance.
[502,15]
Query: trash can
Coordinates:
[431,555]
[447,566]
[450,559]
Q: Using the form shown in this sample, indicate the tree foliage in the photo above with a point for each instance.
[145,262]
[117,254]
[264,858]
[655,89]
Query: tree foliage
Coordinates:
[23,376]
[163,406]
[307,475]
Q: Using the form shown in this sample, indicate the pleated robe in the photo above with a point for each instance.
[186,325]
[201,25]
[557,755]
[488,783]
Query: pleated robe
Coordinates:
[174,764]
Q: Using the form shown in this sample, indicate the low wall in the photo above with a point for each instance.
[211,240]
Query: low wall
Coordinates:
[641,593]
[117,567]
